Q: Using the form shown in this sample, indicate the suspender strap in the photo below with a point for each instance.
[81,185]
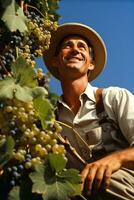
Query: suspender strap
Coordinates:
[99,101]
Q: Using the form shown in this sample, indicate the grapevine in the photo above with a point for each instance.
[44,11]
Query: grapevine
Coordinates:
[32,151]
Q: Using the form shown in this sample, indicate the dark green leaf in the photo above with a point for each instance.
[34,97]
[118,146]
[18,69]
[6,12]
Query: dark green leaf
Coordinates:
[55,185]
[53,7]
[71,175]
[43,109]
[14,17]
[14,194]
[6,150]
[53,98]
[37,178]
[23,73]
[5,3]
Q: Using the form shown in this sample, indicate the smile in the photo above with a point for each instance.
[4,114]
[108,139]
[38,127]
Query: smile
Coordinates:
[74,58]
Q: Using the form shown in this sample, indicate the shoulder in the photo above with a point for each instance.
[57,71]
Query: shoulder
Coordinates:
[117,101]
[113,92]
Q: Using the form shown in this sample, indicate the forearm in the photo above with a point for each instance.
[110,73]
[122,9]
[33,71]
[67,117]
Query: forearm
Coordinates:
[126,157]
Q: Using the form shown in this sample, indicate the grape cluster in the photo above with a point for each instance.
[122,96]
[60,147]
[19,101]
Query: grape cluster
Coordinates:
[32,143]
[43,79]
[41,32]
[8,52]
[14,173]
[29,45]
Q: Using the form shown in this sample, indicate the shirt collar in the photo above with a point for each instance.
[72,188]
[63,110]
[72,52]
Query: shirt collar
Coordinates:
[89,92]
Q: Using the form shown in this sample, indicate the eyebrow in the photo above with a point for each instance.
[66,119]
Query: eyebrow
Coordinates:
[90,46]
[72,35]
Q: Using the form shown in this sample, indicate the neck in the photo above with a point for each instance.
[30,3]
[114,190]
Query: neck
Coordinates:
[72,89]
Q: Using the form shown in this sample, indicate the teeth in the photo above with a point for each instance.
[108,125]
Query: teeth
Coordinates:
[74,58]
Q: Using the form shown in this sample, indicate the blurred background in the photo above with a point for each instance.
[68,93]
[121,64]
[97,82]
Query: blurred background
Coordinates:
[114,21]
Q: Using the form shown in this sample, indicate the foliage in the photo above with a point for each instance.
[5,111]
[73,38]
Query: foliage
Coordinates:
[6,149]
[32,158]
[14,17]
[59,183]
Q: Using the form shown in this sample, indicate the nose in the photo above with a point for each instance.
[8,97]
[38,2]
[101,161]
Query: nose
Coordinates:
[75,49]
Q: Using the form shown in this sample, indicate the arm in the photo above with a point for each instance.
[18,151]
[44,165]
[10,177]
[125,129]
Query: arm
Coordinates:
[120,104]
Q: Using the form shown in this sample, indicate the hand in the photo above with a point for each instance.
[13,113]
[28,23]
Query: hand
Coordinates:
[98,173]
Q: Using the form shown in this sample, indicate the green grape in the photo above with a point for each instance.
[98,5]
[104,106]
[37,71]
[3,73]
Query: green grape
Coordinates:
[20,120]
[18,156]
[53,142]
[48,147]
[9,109]
[38,147]
[28,165]
[35,161]
[43,152]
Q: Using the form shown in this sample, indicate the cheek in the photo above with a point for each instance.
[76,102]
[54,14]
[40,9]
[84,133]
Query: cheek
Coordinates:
[89,59]
[63,54]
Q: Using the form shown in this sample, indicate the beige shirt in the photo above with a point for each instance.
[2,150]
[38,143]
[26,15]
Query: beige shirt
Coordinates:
[84,131]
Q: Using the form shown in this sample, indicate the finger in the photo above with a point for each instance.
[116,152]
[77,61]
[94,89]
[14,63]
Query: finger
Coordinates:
[84,174]
[107,177]
[90,177]
[99,178]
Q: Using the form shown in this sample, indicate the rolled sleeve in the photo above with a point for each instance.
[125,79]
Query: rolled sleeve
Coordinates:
[119,104]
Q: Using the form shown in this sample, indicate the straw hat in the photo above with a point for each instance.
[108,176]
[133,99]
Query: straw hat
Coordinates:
[100,54]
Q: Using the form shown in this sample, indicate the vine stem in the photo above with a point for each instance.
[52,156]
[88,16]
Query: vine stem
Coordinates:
[82,197]
[78,136]
[35,9]
[68,146]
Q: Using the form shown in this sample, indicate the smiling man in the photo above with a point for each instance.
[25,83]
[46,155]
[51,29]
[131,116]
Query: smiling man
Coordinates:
[74,56]
[101,121]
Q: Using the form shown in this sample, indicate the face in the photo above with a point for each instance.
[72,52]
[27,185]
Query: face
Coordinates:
[73,58]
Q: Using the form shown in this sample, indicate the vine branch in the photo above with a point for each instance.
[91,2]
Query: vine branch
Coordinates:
[69,147]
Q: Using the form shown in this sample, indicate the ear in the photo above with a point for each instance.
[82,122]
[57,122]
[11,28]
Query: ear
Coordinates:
[91,66]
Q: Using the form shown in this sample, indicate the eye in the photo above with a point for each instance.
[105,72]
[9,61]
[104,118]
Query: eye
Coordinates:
[66,45]
[82,46]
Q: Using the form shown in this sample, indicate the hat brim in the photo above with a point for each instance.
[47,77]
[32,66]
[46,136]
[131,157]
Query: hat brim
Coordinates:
[100,54]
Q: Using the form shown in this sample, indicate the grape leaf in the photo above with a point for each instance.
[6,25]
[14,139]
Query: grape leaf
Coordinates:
[27,94]
[14,194]
[9,89]
[14,17]
[23,84]
[5,3]
[43,109]
[53,7]
[57,163]
[24,73]
[48,182]
[53,98]
[6,149]
[6,88]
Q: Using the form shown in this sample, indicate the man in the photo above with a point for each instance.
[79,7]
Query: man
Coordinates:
[105,139]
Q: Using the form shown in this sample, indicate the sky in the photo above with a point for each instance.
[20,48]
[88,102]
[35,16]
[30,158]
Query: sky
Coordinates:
[114,21]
